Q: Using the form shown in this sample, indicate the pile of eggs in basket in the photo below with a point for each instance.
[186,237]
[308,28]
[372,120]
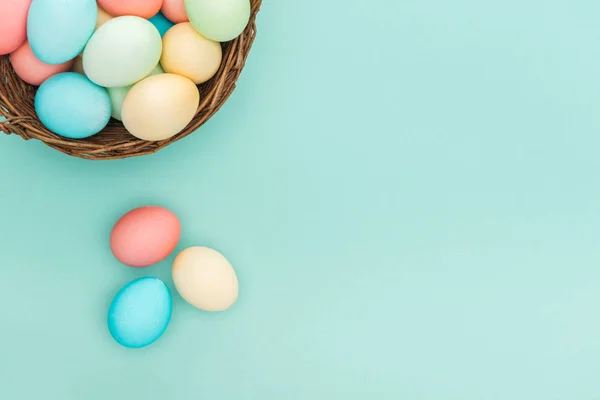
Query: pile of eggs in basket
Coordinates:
[139,61]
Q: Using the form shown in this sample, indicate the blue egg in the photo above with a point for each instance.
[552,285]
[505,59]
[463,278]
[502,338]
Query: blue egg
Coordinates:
[161,23]
[71,105]
[58,30]
[140,312]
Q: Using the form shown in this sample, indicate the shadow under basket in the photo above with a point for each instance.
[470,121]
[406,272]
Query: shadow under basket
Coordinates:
[114,142]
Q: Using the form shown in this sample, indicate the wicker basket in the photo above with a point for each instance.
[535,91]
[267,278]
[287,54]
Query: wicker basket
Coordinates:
[114,142]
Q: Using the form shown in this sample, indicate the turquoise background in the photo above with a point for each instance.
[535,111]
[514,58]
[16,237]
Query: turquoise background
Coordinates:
[408,191]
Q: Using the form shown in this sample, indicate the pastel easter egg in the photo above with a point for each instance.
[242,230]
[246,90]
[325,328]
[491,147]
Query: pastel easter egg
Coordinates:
[189,54]
[144,236]
[58,30]
[159,107]
[33,71]
[140,312]
[161,23]
[71,105]
[117,95]
[140,8]
[174,10]
[122,51]
[219,20]
[13,24]
[103,17]
[205,279]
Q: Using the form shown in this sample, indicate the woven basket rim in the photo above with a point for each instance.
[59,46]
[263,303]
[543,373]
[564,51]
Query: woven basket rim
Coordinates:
[114,142]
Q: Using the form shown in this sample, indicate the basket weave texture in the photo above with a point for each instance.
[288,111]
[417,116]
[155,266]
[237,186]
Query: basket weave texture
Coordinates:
[114,142]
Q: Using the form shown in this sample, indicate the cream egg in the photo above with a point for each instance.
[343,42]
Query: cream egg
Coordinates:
[118,94]
[205,279]
[160,106]
[187,53]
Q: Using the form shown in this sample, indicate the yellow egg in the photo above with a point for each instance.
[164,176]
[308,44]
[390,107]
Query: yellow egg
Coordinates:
[160,106]
[205,279]
[187,53]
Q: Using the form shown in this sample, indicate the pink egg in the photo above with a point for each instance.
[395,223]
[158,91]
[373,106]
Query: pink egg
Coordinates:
[13,24]
[174,10]
[140,8]
[32,70]
[145,236]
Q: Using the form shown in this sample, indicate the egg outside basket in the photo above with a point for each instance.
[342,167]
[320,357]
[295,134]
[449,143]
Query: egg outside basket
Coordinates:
[114,142]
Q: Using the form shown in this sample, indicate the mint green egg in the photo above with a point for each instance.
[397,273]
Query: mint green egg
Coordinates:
[118,94]
[122,51]
[218,20]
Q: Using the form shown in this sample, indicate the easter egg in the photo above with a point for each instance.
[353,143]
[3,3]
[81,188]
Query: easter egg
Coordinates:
[103,16]
[13,24]
[33,71]
[174,10]
[205,279]
[189,54]
[71,105]
[140,8]
[117,95]
[161,23]
[220,20]
[145,236]
[58,30]
[140,312]
[160,106]
[122,51]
